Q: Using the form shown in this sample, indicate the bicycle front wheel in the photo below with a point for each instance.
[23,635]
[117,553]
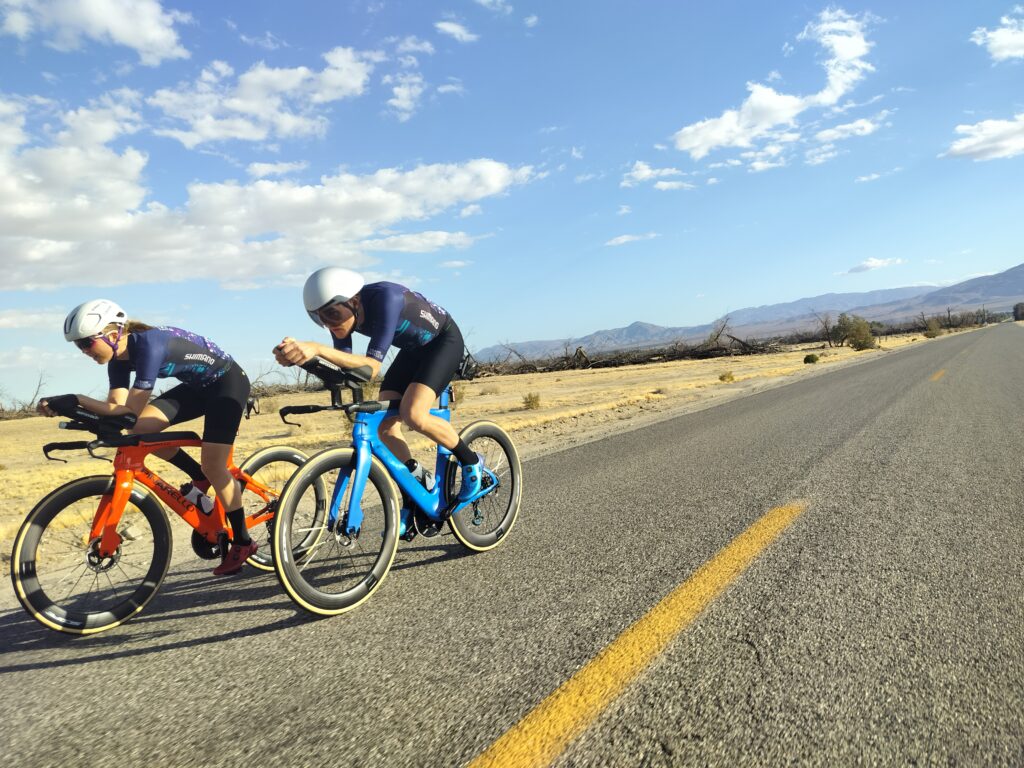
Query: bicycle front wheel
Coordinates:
[272,468]
[58,573]
[483,524]
[339,571]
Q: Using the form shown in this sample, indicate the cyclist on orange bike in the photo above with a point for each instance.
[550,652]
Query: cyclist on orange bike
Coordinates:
[212,385]
[430,352]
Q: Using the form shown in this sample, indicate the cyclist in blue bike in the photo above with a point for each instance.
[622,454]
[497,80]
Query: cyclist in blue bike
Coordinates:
[212,385]
[430,348]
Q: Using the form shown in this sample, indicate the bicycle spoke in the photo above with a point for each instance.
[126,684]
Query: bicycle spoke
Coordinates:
[111,581]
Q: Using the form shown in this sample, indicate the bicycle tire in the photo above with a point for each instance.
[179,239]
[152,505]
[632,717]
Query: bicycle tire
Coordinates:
[485,523]
[58,544]
[320,582]
[253,504]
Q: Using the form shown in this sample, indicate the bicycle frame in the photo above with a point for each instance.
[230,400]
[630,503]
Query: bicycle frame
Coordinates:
[130,467]
[366,442]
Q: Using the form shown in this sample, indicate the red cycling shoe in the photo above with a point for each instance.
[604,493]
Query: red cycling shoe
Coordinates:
[236,558]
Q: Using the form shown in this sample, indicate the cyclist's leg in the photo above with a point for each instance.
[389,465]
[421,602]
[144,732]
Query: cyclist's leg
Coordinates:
[416,404]
[225,403]
[437,370]
[436,364]
[177,405]
[397,378]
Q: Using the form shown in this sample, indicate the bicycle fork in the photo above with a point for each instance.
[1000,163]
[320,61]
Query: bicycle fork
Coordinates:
[108,515]
[352,520]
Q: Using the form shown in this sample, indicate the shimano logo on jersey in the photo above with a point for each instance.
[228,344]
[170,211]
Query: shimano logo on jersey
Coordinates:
[429,318]
[199,356]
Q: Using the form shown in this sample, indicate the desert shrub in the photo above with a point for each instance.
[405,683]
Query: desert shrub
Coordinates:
[860,337]
[933,329]
[726,377]
[660,391]
[531,401]
[490,390]
[810,359]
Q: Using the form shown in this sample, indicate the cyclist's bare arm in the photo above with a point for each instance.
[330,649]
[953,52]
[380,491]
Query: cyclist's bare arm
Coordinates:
[119,402]
[292,352]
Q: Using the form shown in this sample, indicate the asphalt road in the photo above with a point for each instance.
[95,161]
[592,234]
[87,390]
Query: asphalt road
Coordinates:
[885,625]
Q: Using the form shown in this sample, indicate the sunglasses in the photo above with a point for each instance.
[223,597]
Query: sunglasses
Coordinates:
[87,343]
[332,312]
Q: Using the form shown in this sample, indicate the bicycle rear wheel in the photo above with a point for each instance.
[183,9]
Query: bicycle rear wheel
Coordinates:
[57,571]
[273,467]
[338,572]
[483,525]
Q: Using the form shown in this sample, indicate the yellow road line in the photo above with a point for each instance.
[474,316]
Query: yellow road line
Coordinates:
[545,732]
[938,375]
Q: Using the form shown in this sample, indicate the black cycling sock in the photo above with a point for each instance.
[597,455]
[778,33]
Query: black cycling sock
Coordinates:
[190,467]
[464,453]
[240,534]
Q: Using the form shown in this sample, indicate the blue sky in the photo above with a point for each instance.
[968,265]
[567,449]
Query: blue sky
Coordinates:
[541,170]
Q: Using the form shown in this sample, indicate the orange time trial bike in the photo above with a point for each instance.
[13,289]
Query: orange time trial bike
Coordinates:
[92,553]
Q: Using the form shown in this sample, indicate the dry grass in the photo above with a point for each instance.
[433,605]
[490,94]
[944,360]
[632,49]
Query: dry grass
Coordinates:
[571,407]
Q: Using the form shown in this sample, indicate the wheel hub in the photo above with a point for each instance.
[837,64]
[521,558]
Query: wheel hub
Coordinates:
[96,562]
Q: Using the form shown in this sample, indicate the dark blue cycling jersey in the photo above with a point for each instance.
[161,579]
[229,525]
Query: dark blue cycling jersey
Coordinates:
[162,352]
[395,316]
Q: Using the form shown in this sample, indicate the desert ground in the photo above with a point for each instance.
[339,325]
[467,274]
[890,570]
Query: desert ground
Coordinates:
[571,407]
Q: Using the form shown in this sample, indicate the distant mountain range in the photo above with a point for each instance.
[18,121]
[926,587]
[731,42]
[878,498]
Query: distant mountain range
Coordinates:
[994,292]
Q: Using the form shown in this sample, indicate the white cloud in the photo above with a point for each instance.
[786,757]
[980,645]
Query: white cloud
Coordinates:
[264,102]
[990,139]
[142,25]
[413,44]
[623,239]
[456,30]
[1006,41]
[455,264]
[624,210]
[876,176]
[36,319]
[766,110]
[770,156]
[33,358]
[757,166]
[583,178]
[262,170]
[531,21]
[763,110]
[470,210]
[712,180]
[862,127]
[454,86]
[498,6]
[576,153]
[269,41]
[75,214]
[822,154]
[671,185]
[407,90]
[641,172]
[419,242]
[873,263]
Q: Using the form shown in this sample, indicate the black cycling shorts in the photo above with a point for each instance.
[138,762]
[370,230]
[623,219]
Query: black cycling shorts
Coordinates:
[222,403]
[433,364]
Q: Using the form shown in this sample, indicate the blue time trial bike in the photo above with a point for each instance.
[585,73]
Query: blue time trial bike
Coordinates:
[363,517]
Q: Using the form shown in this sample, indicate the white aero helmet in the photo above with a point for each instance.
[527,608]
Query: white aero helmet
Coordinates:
[330,285]
[90,318]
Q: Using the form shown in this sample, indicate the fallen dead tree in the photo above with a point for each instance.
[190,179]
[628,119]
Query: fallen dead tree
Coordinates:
[718,345]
